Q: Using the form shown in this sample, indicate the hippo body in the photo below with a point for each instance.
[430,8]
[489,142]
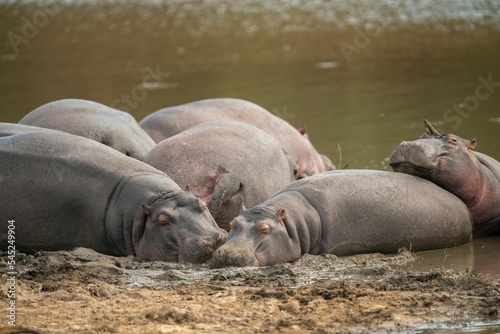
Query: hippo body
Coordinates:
[112,127]
[12,129]
[65,191]
[170,121]
[448,161]
[344,213]
[227,164]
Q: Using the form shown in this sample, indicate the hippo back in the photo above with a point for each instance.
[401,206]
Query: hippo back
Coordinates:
[170,121]
[375,211]
[114,128]
[12,129]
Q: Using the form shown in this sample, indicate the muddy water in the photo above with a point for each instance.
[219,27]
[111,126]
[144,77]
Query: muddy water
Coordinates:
[482,256]
[360,75]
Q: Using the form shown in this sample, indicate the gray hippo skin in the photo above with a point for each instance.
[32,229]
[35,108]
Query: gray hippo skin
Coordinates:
[170,121]
[448,161]
[12,129]
[108,126]
[344,213]
[227,164]
[65,191]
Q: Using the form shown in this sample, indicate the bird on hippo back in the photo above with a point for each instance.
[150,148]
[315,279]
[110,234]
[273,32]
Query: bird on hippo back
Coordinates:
[448,161]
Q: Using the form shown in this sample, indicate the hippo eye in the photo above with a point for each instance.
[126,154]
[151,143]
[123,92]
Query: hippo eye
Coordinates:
[264,229]
[453,141]
[164,219]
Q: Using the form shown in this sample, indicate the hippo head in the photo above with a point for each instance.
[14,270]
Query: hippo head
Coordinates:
[445,159]
[257,237]
[177,229]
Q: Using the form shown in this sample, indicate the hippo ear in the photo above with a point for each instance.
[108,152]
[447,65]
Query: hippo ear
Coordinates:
[471,144]
[281,216]
[302,129]
[147,209]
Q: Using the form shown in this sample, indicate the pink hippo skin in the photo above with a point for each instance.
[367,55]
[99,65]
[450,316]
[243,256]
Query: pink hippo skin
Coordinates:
[170,121]
[229,165]
[449,161]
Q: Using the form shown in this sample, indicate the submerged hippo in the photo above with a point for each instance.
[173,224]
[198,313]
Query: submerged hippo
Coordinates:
[227,164]
[65,191]
[111,127]
[170,121]
[345,213]
[448,161]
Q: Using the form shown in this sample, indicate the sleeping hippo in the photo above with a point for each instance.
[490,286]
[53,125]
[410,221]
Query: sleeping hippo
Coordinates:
[170,121]
[344,213]
[12,129]
[64,191]
[111,127]
[449,161]
[227,164]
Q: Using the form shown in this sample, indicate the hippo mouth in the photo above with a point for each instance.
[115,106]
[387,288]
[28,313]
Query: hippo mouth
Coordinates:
[409,168]
[174,249]
[229,255]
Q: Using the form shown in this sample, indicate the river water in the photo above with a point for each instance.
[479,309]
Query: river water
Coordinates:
[361,75]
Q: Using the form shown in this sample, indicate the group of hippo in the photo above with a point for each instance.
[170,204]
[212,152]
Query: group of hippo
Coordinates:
[176,187]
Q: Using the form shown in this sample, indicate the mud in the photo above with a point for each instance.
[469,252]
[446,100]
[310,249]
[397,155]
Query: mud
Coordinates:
[82,291]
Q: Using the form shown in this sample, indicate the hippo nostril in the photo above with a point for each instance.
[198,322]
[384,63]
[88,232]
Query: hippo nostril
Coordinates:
[201,243]
[221,238]
[227,256]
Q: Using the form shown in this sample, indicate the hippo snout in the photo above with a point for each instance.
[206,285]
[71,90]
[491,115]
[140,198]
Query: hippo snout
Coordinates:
[413,155]
[221,238]
[229,255]
[200,250]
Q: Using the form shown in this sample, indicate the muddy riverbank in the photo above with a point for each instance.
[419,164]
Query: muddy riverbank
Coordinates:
[82,291]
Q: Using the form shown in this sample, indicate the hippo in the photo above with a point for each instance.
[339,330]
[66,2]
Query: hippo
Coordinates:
[448,161]
[62,191]
[11,129]
[108,126]
[170,121]
[346,212]
[229,165]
